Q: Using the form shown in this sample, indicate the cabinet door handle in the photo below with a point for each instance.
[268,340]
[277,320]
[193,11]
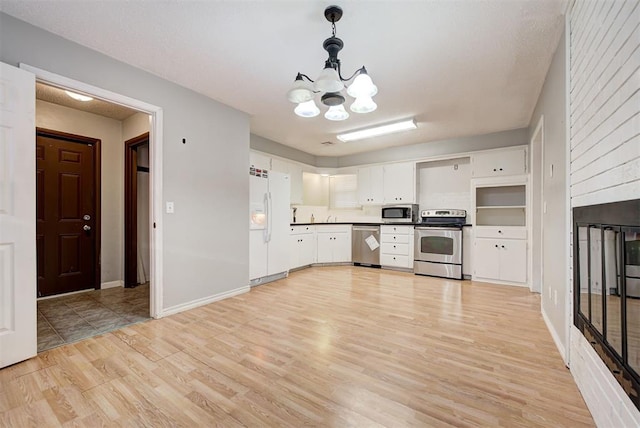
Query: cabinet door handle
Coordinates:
[494,170]
[500,169]
[503,246]
[496,245]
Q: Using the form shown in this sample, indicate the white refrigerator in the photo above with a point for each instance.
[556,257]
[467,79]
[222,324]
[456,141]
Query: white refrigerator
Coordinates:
[269,218]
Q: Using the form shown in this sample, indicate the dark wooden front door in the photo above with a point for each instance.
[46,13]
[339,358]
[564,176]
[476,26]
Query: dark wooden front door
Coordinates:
[67,229]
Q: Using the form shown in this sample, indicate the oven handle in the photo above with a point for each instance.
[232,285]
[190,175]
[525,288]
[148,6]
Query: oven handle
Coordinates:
[455,229]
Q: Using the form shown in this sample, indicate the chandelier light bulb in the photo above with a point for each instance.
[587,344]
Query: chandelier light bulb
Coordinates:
[362,86]
[329,81]
[300,92]
[336,113]
[363,105]
[307,109]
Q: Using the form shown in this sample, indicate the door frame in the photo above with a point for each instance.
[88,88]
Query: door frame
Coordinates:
[131,208]
[537,169]
[155,165]
[97,165]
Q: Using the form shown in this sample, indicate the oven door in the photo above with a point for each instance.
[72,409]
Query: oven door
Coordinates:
[438,244]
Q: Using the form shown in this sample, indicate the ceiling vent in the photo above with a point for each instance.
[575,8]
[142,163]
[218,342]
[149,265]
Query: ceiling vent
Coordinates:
[327,143]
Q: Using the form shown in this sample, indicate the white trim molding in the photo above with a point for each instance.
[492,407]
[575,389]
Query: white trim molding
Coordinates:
[204,301]
[155,164]
[554,336]
[112,284]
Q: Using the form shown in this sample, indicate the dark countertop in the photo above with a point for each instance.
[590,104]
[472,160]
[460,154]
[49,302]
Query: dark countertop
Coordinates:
[365,224]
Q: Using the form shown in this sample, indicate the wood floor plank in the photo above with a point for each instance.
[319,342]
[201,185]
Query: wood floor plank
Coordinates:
[328,346]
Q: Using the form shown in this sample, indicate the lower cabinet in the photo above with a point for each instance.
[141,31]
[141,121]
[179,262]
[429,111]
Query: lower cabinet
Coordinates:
[302,246]
[334,244]
[396,246]
[501,255]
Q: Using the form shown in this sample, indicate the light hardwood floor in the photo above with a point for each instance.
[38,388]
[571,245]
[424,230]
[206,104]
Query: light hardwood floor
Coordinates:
[329,346]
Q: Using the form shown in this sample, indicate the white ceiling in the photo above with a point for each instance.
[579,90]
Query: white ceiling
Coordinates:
[96,106]
[460,67]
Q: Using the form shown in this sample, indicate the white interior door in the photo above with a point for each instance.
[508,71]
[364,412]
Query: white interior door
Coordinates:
[18,338]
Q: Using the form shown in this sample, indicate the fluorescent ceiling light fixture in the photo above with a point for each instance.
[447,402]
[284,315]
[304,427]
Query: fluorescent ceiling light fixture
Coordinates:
[376,131]
[78,96]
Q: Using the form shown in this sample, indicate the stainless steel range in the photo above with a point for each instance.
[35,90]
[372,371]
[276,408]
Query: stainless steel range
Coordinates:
[438,243]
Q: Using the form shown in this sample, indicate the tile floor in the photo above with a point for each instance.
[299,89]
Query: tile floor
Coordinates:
[73,317]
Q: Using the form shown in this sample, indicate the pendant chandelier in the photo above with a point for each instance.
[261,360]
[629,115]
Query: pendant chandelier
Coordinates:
[330,84]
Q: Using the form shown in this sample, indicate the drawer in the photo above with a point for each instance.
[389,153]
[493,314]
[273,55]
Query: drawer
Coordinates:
[389,248]
[394,260]
[396,230]
[333,228]
[300,230]
[506,232]
[398,239]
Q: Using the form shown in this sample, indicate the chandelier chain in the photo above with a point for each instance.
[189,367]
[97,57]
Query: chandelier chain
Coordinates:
[333,28]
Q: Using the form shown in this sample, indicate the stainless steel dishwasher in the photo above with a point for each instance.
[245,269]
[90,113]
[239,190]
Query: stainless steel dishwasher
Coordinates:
[365,245]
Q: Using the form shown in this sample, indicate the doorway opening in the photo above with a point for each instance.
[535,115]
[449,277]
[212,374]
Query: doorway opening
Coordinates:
[106,305]
[136,202]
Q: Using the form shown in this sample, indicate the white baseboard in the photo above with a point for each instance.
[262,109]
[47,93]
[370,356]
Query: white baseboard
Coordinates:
[204,301]
[554,336]
[112,284]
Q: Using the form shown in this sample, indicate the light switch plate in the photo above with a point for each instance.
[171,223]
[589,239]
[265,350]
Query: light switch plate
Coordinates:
[169,207]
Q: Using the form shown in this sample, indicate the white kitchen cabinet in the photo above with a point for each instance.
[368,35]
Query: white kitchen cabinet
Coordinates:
[295,173]
[396,246]
[497,258]
[370,185]
[302,246]
[333,244]
[499,163]
[399,184]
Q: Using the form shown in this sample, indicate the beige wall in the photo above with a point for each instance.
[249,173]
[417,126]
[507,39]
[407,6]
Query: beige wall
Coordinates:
[109,132]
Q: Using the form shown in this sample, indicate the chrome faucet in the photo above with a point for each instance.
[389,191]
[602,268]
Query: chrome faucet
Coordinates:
[327,220]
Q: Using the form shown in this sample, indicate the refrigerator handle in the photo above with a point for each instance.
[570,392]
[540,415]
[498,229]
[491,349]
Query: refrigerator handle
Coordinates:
[265,231]
[269,217]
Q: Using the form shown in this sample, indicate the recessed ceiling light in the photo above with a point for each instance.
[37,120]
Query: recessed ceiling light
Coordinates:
[376,131]
[78,96]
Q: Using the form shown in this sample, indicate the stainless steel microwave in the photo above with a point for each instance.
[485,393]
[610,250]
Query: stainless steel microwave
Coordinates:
[407,213]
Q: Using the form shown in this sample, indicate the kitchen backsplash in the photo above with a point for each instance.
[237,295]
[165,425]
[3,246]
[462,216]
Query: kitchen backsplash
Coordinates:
[322,214]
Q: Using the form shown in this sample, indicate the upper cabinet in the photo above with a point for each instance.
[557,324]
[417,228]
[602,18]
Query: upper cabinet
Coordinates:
[499,163]
[263,161]
[259,160]
[370,184]
[399,184]
[295,172]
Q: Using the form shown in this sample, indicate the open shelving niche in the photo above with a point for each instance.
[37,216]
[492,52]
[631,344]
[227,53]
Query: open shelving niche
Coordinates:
[503,205]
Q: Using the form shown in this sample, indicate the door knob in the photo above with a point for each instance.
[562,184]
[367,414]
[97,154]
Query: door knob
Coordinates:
[86,228]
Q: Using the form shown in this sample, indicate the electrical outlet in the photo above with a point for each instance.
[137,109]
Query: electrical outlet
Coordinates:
[169,207]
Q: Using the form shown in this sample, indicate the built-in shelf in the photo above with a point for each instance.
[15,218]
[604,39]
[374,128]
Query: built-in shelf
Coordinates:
[501,205]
